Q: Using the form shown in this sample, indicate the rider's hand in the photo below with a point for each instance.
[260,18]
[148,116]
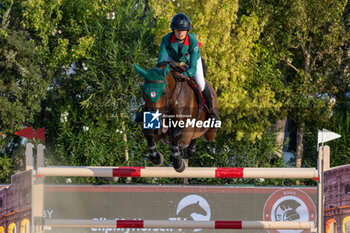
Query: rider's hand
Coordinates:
[181,75]
[185,74]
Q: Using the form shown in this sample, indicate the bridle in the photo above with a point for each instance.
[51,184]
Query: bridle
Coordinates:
[176,70]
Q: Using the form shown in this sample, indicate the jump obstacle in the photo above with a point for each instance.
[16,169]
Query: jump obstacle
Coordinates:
[82,223]
[189,172]
[39,224]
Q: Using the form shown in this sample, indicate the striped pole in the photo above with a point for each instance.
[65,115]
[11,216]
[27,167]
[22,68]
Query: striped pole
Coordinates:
[190,172]
[85,223]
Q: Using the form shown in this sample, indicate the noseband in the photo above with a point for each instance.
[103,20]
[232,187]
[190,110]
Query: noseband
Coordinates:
[156,81]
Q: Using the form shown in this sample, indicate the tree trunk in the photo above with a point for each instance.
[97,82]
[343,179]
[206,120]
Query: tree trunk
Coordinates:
[299,150]
[307,59]
[126,149]
[300,131]
[280,127]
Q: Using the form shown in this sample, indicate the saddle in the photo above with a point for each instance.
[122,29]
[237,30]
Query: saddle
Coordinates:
[197,93]
[177,71]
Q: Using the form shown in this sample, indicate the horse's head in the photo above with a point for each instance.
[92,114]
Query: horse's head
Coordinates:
[157,87]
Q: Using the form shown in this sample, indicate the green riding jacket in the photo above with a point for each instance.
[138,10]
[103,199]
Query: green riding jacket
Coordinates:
[189,54]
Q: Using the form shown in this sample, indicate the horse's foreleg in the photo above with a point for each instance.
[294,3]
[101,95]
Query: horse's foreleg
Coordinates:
[154,156]
[191,149]
[178,163]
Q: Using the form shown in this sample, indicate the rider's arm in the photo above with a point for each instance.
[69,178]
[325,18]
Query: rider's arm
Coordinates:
[194,56]
[162,51]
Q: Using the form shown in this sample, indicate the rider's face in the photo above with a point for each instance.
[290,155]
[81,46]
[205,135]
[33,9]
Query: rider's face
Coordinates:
[180,35]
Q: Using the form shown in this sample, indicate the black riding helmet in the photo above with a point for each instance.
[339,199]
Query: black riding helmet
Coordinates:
[181,22]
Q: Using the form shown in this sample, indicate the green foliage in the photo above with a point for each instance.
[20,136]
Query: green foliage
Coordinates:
[266,59]
[21,90]
[11,157]
[238,67]
[302,34]
[228,152]
[56,26]
[338,123]
[21,86]
[88,112]
[4,8]
[5,167]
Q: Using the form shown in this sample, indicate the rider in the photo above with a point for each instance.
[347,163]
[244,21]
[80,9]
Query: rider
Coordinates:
[182,47]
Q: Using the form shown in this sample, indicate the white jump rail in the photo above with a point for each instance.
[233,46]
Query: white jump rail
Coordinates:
[86,223]
[189,172]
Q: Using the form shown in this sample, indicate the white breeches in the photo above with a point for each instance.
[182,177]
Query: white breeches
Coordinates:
[199,75]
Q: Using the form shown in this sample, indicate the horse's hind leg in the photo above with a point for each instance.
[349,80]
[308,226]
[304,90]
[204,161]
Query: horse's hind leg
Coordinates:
[190,151]
[209,136]
[155,157]
[178,163]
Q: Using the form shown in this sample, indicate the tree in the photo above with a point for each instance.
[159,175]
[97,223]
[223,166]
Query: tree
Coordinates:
[336,66]
[21,86]
[21,89]
[87,113]
[233,57]
[302,34]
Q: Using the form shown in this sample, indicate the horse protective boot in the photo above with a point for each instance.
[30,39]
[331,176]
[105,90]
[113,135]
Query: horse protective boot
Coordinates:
[209,102]
[190,152]
[178,163]
[155,157]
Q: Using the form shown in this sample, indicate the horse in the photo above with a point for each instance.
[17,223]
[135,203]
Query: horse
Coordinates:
[177,104]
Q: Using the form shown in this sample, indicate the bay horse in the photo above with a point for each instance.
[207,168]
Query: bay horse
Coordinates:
[177,103]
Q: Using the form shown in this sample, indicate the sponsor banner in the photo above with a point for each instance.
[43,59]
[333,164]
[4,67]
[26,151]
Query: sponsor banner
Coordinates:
[179,203]
[289,205]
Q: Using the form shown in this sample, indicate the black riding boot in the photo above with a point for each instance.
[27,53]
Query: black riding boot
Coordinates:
[207,96]
[139,116]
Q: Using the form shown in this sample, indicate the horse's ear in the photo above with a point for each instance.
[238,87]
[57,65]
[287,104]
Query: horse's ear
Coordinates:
[141,72]
[166,70]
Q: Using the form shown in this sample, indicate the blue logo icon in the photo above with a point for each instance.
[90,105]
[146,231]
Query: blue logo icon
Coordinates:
[151,120]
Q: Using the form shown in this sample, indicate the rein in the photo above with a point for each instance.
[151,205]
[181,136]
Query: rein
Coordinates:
[156,81]
[177,70]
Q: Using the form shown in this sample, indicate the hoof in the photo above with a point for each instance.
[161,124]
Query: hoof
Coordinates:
[178,163]
[190,153]
[157,160]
